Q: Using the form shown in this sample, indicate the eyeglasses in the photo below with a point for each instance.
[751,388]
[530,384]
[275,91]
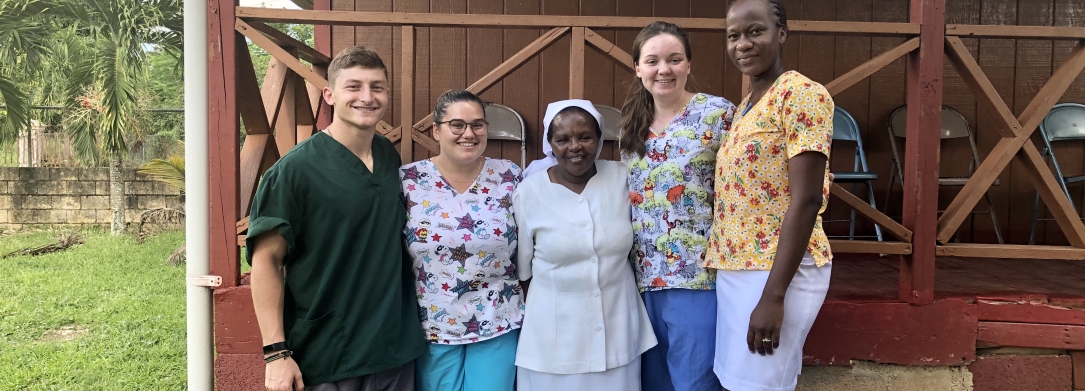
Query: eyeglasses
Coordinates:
[458,126]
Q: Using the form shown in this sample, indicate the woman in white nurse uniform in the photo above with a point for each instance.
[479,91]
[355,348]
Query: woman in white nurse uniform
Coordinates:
[585,326]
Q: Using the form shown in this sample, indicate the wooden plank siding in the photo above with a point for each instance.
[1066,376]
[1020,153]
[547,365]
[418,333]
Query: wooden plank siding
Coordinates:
[455,57]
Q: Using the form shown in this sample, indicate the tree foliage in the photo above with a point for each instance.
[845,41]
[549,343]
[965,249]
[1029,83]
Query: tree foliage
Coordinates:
[170,171]
[89,56]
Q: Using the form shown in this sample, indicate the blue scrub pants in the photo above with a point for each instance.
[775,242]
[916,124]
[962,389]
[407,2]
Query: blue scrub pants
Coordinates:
[481,366]
[684,321]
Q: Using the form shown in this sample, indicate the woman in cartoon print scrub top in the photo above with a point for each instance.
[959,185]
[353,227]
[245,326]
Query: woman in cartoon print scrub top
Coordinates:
[461,236]
[669,141]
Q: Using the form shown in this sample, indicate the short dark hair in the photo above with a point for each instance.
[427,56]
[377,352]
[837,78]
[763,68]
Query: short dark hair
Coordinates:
[573,110]
[455,96]
[355,57]
[777,9]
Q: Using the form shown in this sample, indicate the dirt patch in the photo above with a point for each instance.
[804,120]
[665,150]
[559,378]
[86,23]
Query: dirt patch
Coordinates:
[66,333]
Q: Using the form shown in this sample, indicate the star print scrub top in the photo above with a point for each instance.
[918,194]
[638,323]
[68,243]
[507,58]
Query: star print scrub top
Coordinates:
[670,190]
[462,247]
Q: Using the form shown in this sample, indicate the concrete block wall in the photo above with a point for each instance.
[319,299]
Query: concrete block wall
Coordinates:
[45,196]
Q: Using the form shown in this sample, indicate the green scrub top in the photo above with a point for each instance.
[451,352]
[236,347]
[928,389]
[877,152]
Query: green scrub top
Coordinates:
[349,307]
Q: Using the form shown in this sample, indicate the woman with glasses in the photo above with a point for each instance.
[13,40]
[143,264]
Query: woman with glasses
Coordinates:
[461,236]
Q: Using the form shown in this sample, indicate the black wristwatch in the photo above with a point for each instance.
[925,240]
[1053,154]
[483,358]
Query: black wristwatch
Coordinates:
[275,347]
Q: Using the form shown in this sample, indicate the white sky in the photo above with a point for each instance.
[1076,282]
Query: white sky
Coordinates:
[269,3]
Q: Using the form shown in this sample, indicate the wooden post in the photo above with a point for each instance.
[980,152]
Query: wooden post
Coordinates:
[924,90]
[223,127]
[322,33]
[322,41]
[406,91]
[576,64]
[286,124]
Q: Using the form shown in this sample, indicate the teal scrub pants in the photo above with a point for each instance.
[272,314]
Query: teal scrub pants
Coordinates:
[480,366]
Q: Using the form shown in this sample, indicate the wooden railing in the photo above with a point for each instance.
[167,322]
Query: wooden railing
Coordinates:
[291,108]
[288,52]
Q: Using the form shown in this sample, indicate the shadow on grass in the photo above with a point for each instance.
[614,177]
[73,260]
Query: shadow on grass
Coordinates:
[108,314]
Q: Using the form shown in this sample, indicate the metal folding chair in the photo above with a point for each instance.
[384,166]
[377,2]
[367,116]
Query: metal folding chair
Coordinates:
[1065,122]
[611,117]
[845,128]
[506,124]
[953,126]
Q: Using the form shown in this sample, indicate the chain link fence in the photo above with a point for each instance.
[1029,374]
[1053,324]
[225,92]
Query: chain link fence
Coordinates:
[46,144]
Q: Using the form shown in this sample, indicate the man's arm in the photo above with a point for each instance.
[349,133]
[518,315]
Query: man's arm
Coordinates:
[267,282]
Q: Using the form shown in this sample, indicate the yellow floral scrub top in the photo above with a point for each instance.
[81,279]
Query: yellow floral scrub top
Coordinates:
[751,187]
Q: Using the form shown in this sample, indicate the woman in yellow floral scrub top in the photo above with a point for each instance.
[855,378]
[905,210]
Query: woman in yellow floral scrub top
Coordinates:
[771,185]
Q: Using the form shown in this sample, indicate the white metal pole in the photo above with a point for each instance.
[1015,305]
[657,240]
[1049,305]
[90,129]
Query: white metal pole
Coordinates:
[197,199]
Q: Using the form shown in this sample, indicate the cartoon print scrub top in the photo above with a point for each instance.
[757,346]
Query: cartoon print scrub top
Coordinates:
[671,194]
[462,247]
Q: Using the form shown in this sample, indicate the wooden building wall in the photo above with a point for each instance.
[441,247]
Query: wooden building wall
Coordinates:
[448,58]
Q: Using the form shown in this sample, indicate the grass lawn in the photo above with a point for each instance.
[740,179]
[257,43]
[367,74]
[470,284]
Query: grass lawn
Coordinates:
[105,315]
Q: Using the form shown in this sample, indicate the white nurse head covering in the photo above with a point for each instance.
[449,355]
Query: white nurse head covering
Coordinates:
[552,111]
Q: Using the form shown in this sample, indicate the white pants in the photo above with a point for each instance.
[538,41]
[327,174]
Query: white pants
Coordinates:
[737,293]
[623,378]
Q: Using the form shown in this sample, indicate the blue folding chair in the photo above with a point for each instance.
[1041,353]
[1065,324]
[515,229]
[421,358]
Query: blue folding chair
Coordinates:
[1065,122]
[846,129]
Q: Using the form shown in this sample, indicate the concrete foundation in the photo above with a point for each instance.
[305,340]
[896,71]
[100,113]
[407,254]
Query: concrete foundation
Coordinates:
[867,376]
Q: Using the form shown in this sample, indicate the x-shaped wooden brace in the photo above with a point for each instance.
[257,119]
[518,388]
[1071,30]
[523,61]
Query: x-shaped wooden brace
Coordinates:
[841,83]
[1015,142]
[259,151]
[292,122]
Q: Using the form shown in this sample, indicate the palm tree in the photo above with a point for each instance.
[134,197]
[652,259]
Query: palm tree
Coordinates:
[90,55]
[24,37]
[170,171]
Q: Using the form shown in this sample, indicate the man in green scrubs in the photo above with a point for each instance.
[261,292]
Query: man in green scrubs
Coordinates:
[329,276]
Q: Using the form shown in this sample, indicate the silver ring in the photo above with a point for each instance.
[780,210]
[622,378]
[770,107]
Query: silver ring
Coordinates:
[766,340]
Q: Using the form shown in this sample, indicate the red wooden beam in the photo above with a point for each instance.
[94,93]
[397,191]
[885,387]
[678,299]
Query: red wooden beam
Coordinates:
[236,329]
[576,64]
[287,122]
[1029,313]
[924,89]
[316,99]
[609,49]
[322,42]
[222,132]
[1029,335]
[352,18]
[943,333]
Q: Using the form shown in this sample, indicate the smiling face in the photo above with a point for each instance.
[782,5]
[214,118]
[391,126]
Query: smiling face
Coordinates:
[663,65]
[464,148]
[359,96]
[754,41]
[575,140]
